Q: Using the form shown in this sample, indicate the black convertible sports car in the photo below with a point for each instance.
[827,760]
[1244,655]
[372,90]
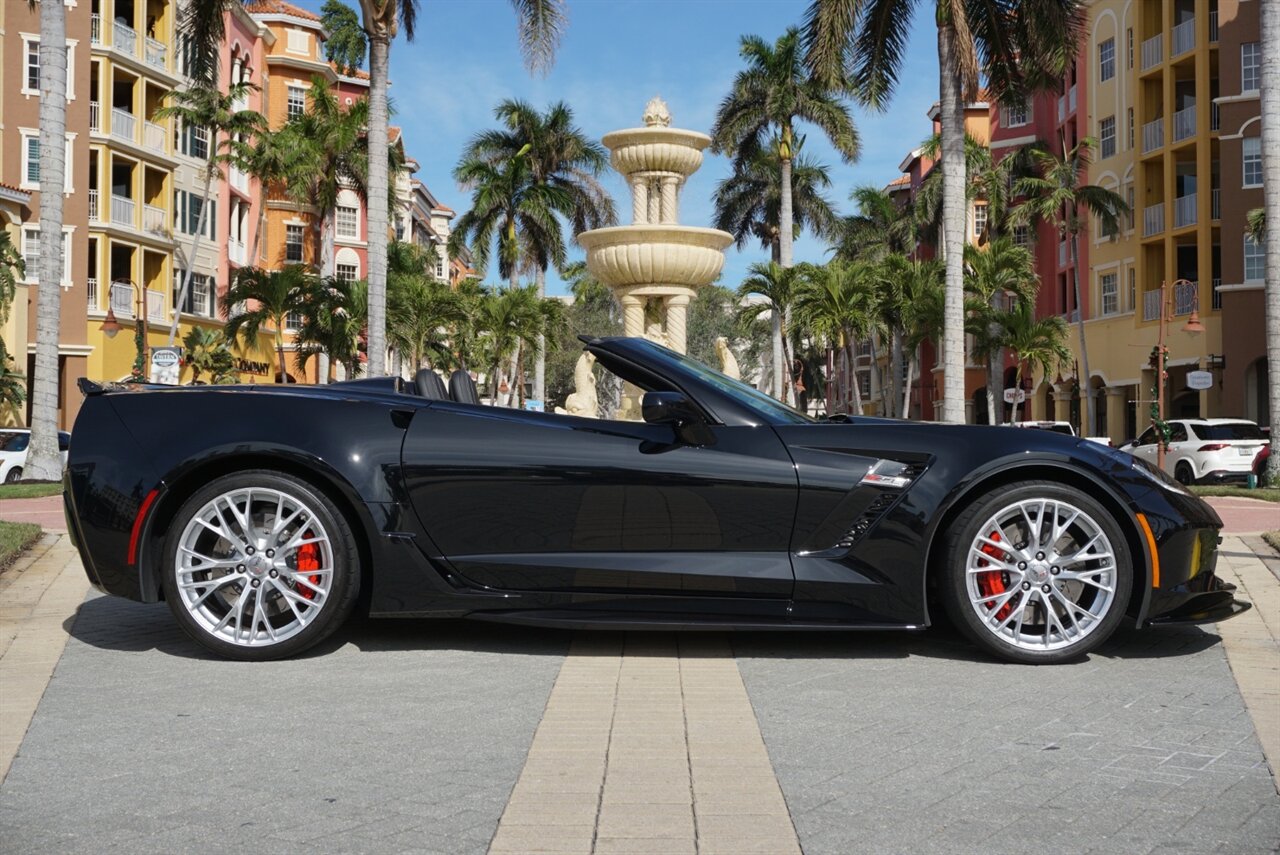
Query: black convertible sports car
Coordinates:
[264,515]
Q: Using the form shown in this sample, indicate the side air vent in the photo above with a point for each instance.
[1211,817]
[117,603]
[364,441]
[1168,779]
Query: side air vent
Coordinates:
[869,517]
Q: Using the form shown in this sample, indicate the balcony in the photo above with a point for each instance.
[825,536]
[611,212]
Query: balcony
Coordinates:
[1184,123]
[1213,25]
[92,282]
[94,211]
[95,116]
[123,211]
[155,305]
[1215,204]
[1184,297]
[1184,37]
[1151,305]
[124,125]
[155,220]
[156,52]
[239,180]
[153,136]
[1184,210]
[95,29]
[1153,220]
[236,253]
[1071,100]
[1217,295]
[1215,121]
[1152,135]
[124,39]
[122,296]
[1152,52]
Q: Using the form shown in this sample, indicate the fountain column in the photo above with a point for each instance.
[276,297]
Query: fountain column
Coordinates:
[639,200]
[632,315]
[668,205]
[678,322]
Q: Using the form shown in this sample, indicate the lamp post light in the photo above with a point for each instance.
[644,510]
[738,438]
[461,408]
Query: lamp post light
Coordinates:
[110,326]
[1192,326]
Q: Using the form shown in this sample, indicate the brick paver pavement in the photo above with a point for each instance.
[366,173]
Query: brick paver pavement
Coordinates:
[45,511]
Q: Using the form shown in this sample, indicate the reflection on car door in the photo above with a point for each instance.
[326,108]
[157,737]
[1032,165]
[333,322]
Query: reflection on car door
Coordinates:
[533,501]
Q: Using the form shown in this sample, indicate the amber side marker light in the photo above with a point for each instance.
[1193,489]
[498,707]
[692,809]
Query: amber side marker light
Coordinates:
[1151,544]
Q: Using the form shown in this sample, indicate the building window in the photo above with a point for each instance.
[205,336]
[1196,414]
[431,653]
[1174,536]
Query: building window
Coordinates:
[1107,60]
[346,272]
[1250,66]
[979,220]
[1022,236]
[31,255]
[199,296]
[1129,202]
[440,269]
[1133,287]
[293,321]
[299,41]
[1253,260]
[1130,127]
[345,222]
[1251,156]
[1110,294]
[199,147]
[31,82]
[1108,229]
[293,243]
[1129,38]
[297,103]
[30,160]
[1107,137]
[1015,115]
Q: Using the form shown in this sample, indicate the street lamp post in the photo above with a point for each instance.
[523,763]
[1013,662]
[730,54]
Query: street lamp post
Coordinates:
[1192,326]
[110,326]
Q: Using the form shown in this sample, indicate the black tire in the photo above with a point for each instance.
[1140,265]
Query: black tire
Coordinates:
[14,475]
[332,611]
[957,597]
[1182,473]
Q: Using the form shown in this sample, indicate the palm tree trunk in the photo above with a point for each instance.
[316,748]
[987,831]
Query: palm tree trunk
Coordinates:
[1017,384]
[895,372]
[786,219]
[379,49]
[954,210]
[1086,386]
[195,243]
[852,378]
[284,374]
[995,395]
[779,388]
[540,364]
[877,376]
[44,462]
[1270,108]
[906,386]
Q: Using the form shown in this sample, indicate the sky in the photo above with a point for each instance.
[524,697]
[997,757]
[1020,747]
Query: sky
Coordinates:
[615,55]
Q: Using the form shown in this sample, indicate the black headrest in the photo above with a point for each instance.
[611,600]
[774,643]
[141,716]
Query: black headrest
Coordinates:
[430,385]
[462,388]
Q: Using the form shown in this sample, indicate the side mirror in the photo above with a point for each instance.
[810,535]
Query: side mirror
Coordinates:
[675,409]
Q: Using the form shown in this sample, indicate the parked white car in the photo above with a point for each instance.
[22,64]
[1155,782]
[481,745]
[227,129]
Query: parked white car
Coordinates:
[1060,427]
[13,451]
[1203,450]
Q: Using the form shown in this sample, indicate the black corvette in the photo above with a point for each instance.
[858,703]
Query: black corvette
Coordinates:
[264,515]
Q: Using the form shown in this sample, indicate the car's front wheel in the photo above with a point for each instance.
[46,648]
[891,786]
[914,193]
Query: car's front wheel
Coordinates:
[1182,472]
[1037,572]
[14,475]
[260,565]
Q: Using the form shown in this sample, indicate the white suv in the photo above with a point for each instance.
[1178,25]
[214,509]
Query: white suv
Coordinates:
[1204,449]
[13,451]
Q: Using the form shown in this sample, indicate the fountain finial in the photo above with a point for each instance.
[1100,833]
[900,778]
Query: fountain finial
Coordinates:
[656,114]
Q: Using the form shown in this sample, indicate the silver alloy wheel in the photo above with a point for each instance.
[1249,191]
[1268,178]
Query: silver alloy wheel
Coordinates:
[254,566]
[1041,574]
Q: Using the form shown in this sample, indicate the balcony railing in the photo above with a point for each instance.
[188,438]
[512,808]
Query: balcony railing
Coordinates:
[1184,123]
[1073,317]
[156,52]
[1152,135]
[1184,210]
[1151,305]
[1213,25]
[153,136]
[1215,121]
[1152,52]
[95,116]
[124,125]
[95,212]
[95,29]
[1184,37]
[236,253]
[123,211]
[92,283]
[1217,295]
[1153,220]
[155,220]
[1184,297]
[122,296]
[1215,203]
[123,38]
[155,305]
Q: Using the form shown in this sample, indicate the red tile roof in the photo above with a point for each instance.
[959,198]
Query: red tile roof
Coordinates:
[8,186]
[355,73]
[279,7]
[900,180]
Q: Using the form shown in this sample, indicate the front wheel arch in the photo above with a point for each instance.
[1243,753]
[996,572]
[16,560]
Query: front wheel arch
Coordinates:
[1043,471]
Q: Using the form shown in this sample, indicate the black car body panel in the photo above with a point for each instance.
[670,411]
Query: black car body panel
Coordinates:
[758,519]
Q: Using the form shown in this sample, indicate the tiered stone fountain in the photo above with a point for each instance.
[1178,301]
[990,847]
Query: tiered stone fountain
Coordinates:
[655,265]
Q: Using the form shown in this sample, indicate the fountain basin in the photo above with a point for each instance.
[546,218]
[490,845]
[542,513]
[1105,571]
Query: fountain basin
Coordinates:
[624,256]
[656,149]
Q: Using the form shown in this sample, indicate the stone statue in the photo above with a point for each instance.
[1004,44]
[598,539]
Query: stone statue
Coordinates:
[582,401]
[656,114]
[728,362]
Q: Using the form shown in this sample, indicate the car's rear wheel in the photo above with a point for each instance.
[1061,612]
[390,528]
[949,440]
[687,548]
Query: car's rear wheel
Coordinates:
[1036,572]
[1182,472]
[260,565]
[13,475]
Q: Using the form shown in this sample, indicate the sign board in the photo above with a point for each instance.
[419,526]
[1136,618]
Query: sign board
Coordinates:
[1015,396]
[533,405]
[166,365]
[1199,379]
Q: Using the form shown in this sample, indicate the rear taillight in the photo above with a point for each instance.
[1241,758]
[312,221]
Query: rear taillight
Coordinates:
[1214,446]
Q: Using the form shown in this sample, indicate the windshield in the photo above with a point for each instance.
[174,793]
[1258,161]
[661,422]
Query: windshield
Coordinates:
[771,409]
[1231,430]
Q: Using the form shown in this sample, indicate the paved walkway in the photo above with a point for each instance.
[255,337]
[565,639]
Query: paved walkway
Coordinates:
[451,737]
[45,511]
[1241,515]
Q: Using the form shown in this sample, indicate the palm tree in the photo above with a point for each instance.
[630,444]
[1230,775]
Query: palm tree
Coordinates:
[346,45]
[44,461]
[333,319]
[882,226]
[749,202]
[1020,47]
[560,155]
[231,132]
[768,98]
[836,303]
[420,310]
[257,298]
[539,23]
[513,319]
[778,286]
[207,353]
[1056,195]
[910,308]
[993,274]
[1039,343]
[12,268]
[1256,221]
[13,392]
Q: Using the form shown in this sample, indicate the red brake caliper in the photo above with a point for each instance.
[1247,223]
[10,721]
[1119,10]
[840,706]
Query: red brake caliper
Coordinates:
[309,559]
[992,582]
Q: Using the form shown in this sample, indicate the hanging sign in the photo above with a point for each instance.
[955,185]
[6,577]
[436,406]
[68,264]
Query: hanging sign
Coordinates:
[166,365]
[1199,379]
